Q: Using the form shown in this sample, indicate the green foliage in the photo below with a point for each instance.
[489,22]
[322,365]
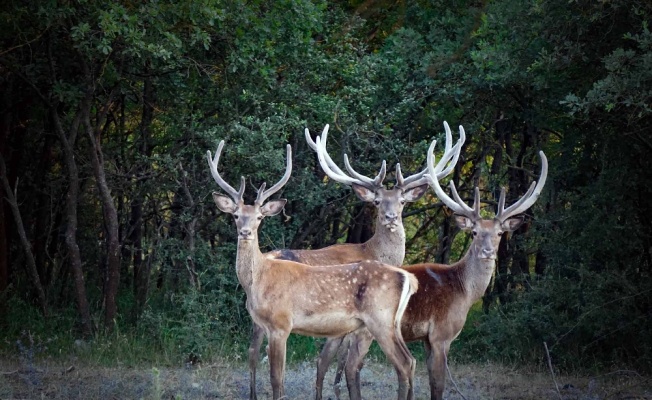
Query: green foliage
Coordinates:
[580,324]
[571,78]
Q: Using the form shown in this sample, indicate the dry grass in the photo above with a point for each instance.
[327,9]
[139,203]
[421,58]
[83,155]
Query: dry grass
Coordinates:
[230,380]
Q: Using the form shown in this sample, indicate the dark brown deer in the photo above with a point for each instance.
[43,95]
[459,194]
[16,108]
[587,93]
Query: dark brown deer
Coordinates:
[437,312]
[328,301]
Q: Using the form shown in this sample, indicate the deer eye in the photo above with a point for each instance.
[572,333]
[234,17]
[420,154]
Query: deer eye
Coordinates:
[260,217]
[402,201]
[475,233]
[235,216]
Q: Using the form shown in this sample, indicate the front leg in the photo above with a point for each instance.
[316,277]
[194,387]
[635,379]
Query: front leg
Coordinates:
[257,335]
[323,361]
[437,352]
[277,349]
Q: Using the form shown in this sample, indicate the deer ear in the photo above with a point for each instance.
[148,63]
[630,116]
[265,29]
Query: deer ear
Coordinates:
[415,193]
[224,203]
[273,207]
[512,224]
[464,223]
[363,193]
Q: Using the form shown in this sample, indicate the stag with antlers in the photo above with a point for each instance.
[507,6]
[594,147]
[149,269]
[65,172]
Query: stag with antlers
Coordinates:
[323,301]
[437,312]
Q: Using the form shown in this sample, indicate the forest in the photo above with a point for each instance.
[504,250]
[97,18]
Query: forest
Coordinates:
[109,235]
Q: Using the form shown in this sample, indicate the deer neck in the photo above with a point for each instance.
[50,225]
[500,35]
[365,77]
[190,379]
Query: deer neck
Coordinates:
[248,262]
[475,274]
[386,246]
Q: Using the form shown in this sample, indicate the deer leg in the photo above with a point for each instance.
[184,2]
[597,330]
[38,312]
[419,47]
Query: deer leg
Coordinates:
[360,342]
[436,363]
[396,351]
[277,349]
[342,356]
[323,361]
[257,335]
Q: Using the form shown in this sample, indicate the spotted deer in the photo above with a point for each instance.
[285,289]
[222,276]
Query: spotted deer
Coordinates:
[437,312]
[286,297]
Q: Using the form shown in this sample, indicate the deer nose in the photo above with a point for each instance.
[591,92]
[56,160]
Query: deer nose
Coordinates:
[488,253]
[245,232]
[390,216]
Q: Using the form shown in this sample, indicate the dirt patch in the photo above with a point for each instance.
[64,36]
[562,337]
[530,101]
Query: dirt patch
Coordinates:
[230,380]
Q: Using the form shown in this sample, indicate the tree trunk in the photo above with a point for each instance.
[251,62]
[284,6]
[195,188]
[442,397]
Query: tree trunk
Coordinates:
[4,245]
[71,216]
[29,255]
[4,250]
[141,269]
[445,241]
[361,229]
[110,220]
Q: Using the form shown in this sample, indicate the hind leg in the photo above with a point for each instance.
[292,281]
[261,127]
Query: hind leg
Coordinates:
[360,342]
[396,351]
[323,361]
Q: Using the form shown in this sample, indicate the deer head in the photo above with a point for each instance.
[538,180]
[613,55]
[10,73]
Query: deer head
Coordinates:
[486,232]
[389,202]
[247,217]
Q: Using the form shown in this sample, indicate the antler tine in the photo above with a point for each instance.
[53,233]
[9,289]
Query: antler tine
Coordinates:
[212,163]
[528,199]
[333,171]
[400,181]
[264,194]
[313,145]
[448,160]
[337,177]
[261,191]
[475,211]
[451,153]
[376,182]
[458,207]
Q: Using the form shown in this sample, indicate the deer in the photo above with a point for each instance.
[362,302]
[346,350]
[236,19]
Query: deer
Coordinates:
[437,312]
[285,296]
[387,244]
[388,241]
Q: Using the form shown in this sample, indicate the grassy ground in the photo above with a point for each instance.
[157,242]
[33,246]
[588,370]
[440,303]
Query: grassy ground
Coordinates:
[229,379]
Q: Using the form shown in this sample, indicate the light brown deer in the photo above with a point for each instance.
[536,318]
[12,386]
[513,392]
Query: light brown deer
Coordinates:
[438,311]
[329,301]
[388,241]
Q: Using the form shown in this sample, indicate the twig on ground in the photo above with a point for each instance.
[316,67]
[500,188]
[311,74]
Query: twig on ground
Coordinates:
[450,376]
[552,372]
[9,373]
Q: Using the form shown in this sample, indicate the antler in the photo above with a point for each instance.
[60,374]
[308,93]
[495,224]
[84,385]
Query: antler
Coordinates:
[237,196]
[335,173]
[264,194]
[212,162]
[458,206]
[528,199]
[445,165]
